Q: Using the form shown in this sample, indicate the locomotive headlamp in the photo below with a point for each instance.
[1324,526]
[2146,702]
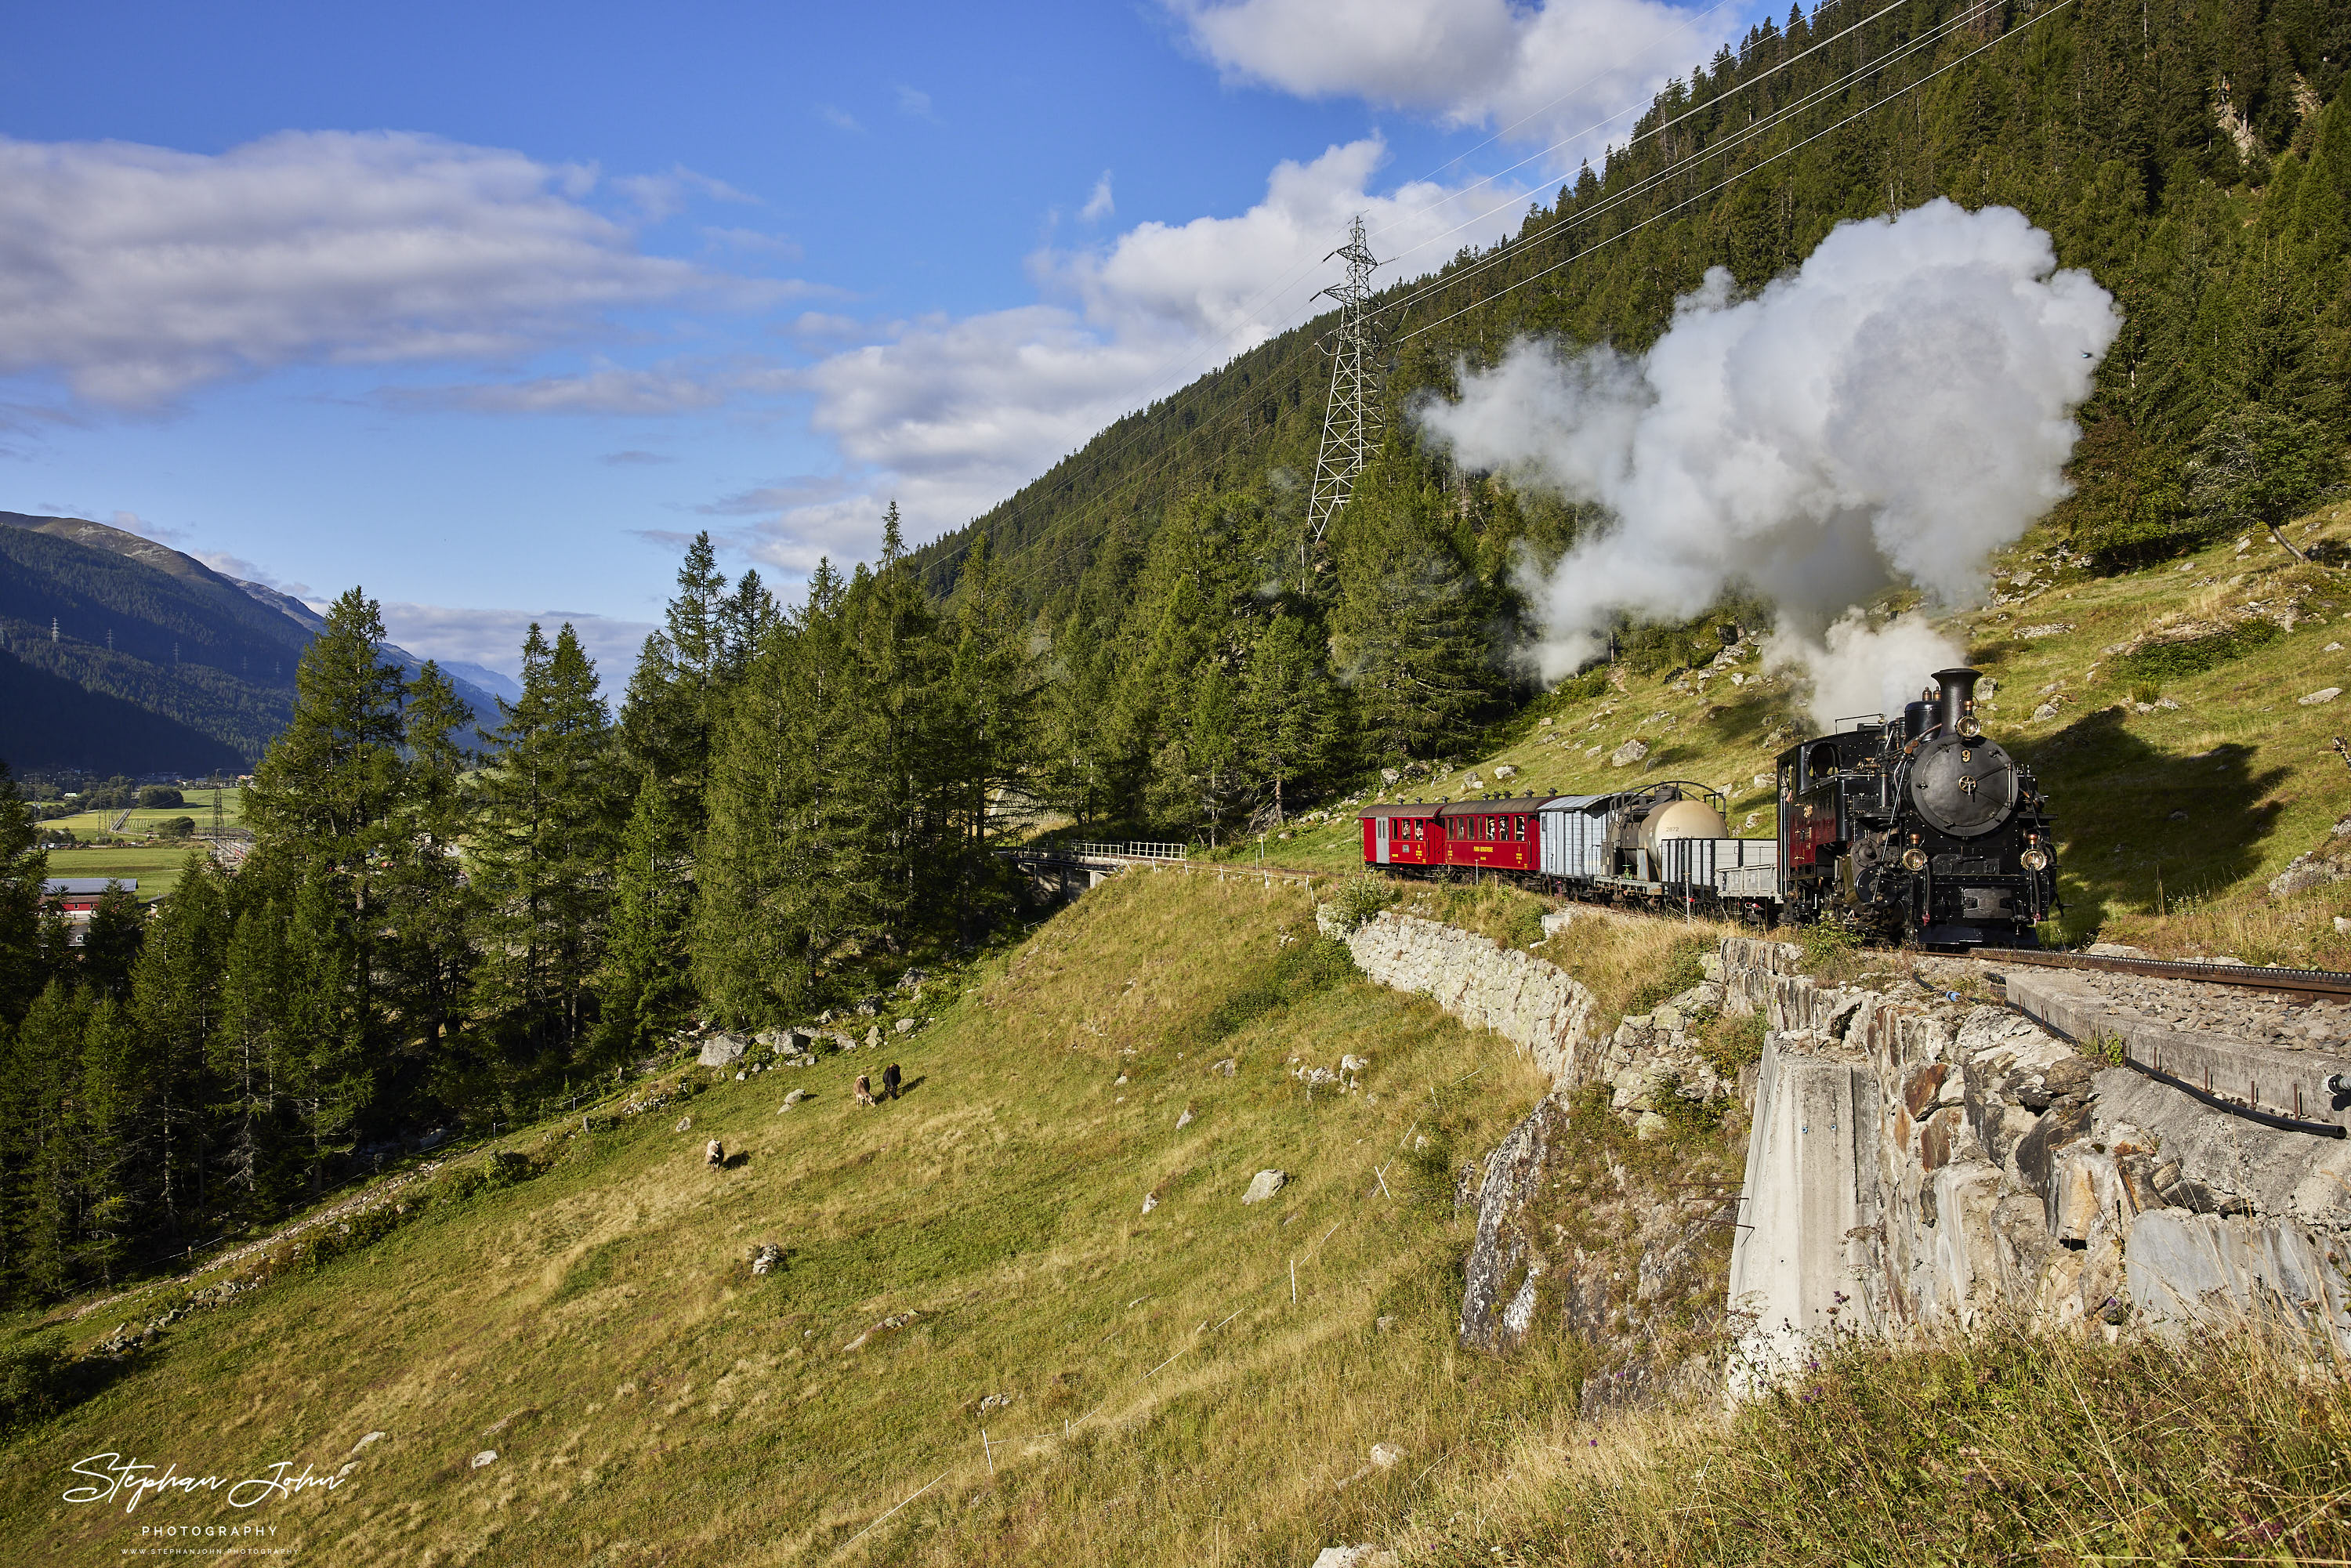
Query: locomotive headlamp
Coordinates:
[2035,860]
[1913,859]
[1970,727]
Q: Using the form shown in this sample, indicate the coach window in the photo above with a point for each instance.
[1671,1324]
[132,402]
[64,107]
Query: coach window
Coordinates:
[1522,829]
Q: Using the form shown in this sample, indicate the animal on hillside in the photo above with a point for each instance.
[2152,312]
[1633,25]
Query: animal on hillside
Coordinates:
[1922,830]
[715,1157]
[890,1080]
[864,1090]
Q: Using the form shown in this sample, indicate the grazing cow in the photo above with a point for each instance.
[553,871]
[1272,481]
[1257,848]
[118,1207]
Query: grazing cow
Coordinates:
[715,1157]
[864,1091]
[890,1080]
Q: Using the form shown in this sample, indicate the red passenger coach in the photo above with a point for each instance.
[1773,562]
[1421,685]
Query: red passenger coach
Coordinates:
[1493,835]
[1403,835]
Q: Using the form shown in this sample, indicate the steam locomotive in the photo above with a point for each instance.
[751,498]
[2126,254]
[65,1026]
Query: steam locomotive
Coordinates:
[1919,830]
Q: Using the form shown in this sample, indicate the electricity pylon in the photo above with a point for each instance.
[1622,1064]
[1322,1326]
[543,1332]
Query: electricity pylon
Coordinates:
[1350,424]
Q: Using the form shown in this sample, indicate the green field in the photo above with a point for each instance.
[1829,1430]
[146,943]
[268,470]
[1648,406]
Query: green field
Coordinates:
[157,867]
[143,819]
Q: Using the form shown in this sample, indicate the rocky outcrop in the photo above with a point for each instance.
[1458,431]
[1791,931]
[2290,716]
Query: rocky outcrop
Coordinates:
[1538,1007]
[1506,1261]
[1915,1160]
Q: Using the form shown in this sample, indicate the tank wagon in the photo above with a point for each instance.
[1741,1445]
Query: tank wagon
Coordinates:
[1920,830]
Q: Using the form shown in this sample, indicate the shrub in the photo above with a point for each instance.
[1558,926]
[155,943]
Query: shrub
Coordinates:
[2159,662]
[157,795]
[1359,898]
[1684,969]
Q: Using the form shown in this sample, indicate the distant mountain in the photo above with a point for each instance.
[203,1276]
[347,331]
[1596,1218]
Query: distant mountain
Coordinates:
[487,679]
[140,624]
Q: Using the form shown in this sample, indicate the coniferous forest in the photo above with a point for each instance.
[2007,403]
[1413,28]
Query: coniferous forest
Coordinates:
[784,799]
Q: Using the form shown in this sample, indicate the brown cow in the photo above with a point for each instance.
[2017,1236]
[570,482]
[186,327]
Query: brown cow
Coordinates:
[890,1080]
[864,1091]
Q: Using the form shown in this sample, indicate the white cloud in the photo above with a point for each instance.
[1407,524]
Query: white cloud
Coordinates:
[494,637]
[1099,206]
[1551,69]
[135,273]
[949,416]
[839,119]
[754,242]
[915,101]
[604,390]
[635,458]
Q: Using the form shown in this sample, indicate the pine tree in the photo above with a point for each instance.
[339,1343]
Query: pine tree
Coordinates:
[40,1062]
[984,740]
[326,800]
[175,1002]
[789,871]
[24,867]
[110,943]
[250,1119]
[1408,632]
[1285,707]
[643,991]
[323,1065]
[429,905]
[542,852]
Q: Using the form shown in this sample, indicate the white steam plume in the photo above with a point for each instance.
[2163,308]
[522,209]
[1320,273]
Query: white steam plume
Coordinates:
[1893,412]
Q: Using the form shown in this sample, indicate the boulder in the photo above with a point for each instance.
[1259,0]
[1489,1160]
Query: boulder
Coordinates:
[1264,1185]
[1184,1119]
[767,1258]
[486,1456]
[792,1099]
[723,1049]
[1387,1456]
[903,1026]
[1629,753]
[1361,1555]
[1149,1201]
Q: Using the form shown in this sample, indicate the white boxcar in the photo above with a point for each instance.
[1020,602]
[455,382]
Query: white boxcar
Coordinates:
[1575,834]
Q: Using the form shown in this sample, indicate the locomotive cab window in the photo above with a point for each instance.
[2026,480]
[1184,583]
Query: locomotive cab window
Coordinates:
[1820,762]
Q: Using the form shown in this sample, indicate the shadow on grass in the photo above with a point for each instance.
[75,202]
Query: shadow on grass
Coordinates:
[2145,827]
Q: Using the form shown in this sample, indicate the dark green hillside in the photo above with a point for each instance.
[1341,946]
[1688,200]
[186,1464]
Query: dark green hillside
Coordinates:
[2177,149]
[46,722]
[127,617]
[162,617]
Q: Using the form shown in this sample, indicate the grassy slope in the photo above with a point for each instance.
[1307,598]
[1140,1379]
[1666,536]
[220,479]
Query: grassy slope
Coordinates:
[657,1395]
[2249,767]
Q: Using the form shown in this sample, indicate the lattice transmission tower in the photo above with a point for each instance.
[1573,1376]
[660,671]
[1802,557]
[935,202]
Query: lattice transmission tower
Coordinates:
[1351,425]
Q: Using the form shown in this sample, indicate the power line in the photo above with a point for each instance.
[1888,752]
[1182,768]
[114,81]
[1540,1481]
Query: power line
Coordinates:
[1753,131]
[1645,184]
[1743,173]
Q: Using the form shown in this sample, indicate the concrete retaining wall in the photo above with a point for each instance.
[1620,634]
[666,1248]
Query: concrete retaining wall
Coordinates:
[1985,1167]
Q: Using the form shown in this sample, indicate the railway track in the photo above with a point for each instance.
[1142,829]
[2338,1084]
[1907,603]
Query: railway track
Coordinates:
[2300,985]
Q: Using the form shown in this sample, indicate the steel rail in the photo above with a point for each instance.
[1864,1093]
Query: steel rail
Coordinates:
[2306,985]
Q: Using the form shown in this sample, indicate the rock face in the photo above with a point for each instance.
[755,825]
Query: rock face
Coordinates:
[1264,1185]
[1536,1005]
[1913,1162]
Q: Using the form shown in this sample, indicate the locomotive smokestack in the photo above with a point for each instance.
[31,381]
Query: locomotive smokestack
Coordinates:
[1957,699]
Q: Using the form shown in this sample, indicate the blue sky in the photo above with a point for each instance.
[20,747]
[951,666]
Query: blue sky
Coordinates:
[489,308]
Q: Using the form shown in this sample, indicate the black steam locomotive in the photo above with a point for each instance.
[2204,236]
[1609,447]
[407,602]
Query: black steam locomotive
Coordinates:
[1922,830]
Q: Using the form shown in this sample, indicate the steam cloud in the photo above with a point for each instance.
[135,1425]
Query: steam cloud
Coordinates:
[1894,412]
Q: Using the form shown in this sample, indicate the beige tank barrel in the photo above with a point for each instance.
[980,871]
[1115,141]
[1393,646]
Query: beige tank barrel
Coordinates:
[1682,820]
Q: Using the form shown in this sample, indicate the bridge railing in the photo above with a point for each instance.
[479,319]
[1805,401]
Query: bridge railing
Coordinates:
[1132,850]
